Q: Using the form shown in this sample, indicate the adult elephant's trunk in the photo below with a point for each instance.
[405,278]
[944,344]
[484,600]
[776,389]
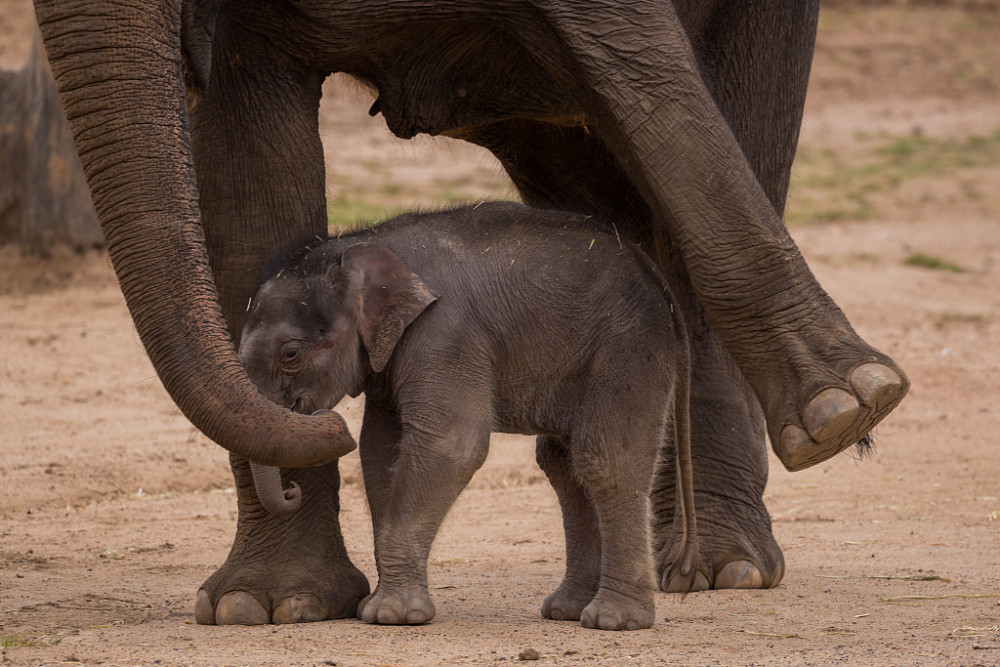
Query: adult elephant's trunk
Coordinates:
[120,77]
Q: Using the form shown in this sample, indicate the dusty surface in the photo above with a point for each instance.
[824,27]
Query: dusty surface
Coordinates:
[114,509]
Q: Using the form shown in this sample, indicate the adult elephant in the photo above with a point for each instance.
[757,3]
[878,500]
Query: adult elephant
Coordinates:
[196,123]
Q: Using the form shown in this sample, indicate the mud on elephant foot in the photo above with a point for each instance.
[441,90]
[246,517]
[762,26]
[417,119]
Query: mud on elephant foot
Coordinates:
[284,569]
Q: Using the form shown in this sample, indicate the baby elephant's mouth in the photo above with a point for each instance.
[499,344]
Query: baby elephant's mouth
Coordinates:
[308,406]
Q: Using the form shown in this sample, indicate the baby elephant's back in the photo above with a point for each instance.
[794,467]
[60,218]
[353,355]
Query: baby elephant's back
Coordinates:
[547,293]
[509,265]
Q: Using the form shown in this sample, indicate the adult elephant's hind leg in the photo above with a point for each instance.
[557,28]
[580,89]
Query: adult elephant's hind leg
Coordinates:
[737,548]
[288,569]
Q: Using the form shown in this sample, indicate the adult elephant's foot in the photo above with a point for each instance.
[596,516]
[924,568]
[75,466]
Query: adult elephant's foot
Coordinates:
[840,416]
[736,547]
[409,606]
[822,388]
[727,563]
[291,569]
[610,610]
[737,551]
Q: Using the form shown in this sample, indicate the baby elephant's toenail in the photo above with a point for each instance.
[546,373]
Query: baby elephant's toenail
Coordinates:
[875,383]
[830,414]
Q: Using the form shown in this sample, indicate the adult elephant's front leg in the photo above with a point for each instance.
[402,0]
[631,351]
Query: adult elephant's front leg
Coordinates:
[284,569]
[821,387]
[259,162]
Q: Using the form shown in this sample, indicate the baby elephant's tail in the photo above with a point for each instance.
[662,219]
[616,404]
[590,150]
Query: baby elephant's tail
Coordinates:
[685,567]
[687,559]
[680,576]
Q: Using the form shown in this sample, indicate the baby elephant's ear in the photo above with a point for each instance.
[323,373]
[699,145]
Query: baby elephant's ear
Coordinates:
[392,296]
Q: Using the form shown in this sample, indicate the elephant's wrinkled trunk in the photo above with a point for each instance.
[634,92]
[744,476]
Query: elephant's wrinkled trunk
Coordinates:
[120,79]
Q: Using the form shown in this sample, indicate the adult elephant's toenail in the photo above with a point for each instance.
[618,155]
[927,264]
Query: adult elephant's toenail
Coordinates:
[831,414]
[875,383]
[672,584]
[204,611]
[240,608]
[299,608]
[739,574]
[794,448]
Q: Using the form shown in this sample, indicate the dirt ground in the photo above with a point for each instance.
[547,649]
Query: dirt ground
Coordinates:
[113,509]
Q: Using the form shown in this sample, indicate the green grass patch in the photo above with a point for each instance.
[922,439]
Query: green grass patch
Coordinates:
[916,155]
[925,261]
[829,186]
[16,641]
[948,318]
[359,207]
[349,211]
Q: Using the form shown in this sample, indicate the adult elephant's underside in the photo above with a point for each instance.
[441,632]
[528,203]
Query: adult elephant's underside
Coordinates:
[676,121]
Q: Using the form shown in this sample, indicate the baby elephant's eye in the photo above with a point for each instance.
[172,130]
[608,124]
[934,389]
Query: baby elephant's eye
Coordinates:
[290,355]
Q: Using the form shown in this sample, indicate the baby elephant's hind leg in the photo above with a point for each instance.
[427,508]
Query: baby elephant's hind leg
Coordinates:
[615,468]
[583,547]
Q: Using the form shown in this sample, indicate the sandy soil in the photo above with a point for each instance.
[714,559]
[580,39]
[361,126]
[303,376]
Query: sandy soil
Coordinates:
[114,509]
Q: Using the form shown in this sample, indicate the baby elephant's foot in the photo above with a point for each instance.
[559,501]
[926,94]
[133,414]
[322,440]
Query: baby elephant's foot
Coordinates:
[614,611]
[410,606]
[567,602]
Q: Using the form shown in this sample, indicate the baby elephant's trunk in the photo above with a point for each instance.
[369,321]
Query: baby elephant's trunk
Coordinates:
[273,496]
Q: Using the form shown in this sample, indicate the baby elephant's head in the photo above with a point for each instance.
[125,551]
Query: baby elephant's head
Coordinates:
[310,328]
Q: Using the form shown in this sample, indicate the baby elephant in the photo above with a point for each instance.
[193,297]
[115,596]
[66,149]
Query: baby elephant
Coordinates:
[492,318]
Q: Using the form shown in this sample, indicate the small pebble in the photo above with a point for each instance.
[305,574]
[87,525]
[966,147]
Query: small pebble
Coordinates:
[528,654]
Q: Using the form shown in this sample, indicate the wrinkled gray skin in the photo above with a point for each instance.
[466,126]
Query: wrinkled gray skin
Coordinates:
[196,122]
[490,318]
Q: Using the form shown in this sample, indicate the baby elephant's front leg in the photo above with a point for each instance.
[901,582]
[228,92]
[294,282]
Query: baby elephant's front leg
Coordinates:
[427,479]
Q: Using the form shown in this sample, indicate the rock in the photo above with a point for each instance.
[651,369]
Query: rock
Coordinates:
[528,654]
